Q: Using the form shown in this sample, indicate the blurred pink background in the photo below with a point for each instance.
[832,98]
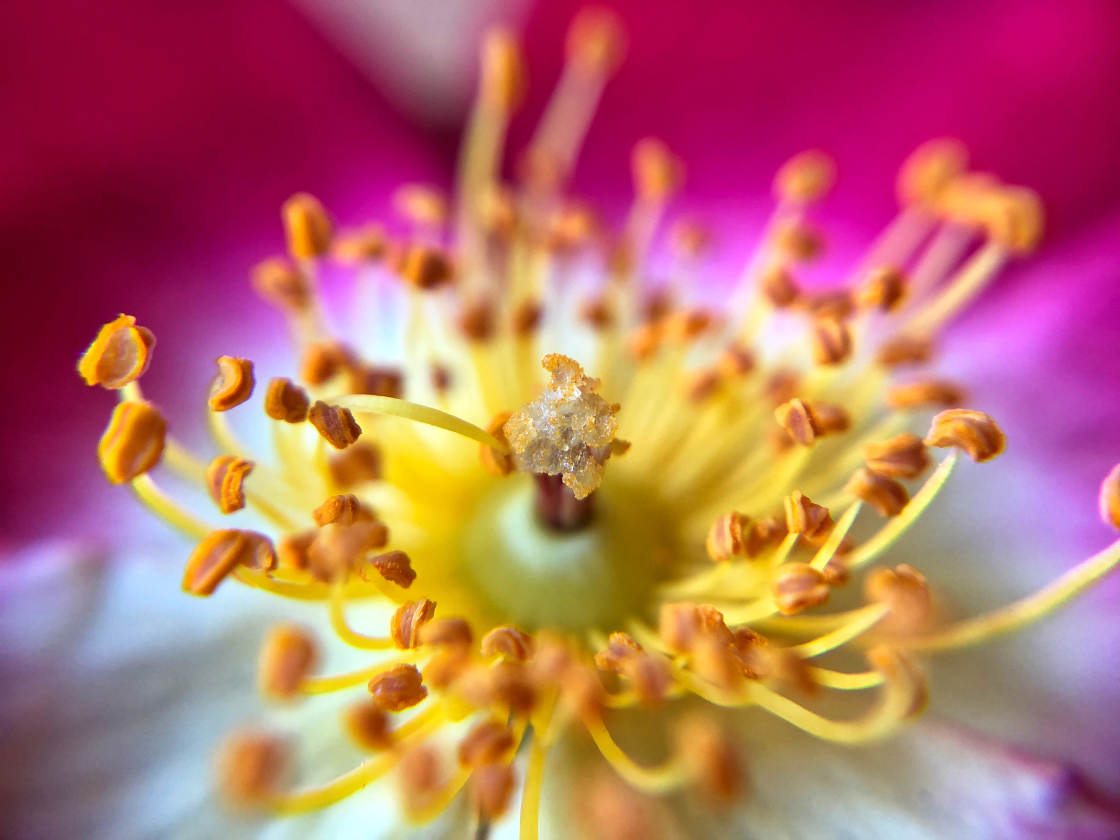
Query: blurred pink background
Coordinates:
[147,148]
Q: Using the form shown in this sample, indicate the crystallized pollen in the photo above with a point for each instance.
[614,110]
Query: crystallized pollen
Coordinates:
[521,586]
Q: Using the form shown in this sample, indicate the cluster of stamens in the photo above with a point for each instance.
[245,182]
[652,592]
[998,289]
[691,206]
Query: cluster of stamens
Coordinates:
[763,429]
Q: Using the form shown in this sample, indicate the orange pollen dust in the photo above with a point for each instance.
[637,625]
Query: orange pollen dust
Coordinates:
[530,583]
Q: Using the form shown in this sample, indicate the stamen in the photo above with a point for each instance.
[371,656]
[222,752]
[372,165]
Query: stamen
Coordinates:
[973,431]
[287,658]
[220,553]
[120,354]
[224,479]
[398,688]
[307,226]
[335,424]
[409,620]
[133,441]
[234,384]
[286,401]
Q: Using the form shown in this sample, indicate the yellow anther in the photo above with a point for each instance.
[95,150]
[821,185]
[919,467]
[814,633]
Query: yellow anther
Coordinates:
[220,552]
[408,620]
[336,425]
[973,431]
[225,477]
[234,384]
[798,586]
[284,400]
[119,354]
[805,178]
[397,688]
[287,658]
[133,441]
[307,225]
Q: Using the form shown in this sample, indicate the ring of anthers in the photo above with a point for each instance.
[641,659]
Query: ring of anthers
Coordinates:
[761,432]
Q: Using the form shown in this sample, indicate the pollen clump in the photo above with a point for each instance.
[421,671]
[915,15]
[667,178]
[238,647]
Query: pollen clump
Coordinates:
[408,620]
[120,354]
[336,425]
[284,400]
[225,478]
[566,431]
[220,553]
[398,688]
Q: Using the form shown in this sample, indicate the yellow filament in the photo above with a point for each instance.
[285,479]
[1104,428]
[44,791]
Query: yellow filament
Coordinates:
[168,510]
[844,681]
[863,621]
[963,287]
[316,799]
[665,777]
[369,404]
[1024,611]
[338,682]
[345,632]
[839,531]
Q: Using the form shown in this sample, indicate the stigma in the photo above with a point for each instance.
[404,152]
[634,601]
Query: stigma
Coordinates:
[689,502]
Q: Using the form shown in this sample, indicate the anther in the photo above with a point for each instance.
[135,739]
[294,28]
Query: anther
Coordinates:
[426,268]
[491,790]
[225,479]
[421,204]
[657,172]
[799,421]
[291,550]
[335,424]
[596,41]
[596,312]
[904,350]
[368,725]
[680,624]
[620,648]
[902,456]
[322,361]
[799,586]
[645,340]
[307,226]
[220,552]
[929,170]
[798,241]
[830,418]
[284,400]
[368,244]
[570,228]
[119,354]
[921,394]
[804,178]
[133,441]
[338,549]
[281,284]
[420,776]
[735,361]
[398,688]
[882,289]
[234,384]
[725,537]
[884,494]
[973,431]
[357,464]
[447,632]
[487,742]
[395,567]
[905,592]
[407,621]
[287,658]
[509,642]
[503,71]
[699,385]
[710,757]
[649,676]
[1110,498]
[496,462]
[835,304]
[764,533]
[779,287]
[832,341]
[477,321]
[512,687]
[689,238]
[343,509]
[805,517]
[251,767]
[526,317]
[1014,218]
[376,380]
[781,386]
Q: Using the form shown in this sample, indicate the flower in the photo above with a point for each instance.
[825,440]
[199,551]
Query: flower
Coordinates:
[652,521]
[227,485]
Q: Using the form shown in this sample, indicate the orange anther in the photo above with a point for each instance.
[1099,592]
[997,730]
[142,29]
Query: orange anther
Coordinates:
[973,431]
[234,384]
[798,586]
[322,361]
[596,41]
[338,549]
[902,456]
[905,592]
[287,658]
[725,537]
[281,284]
[491,790]
[799,421]
[447,632]
[398,688]
[805,517]
[804,178]
[509,642]
[1110,498]
[503,71]
[657,172]
[407,621]
[929,170]
[251,767]
[923,394]
[421,204]
[904,350]
[357,464]
[225,479]
[119,354]
[336,425]
[133,441]
[220,552]
[365,245]
[284,400]
[709,754]
[425,267]
[884,494]
[832,341]
[307,226]
[486,743]
[344,509]
[395,567]
[882,289]
[368,725]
